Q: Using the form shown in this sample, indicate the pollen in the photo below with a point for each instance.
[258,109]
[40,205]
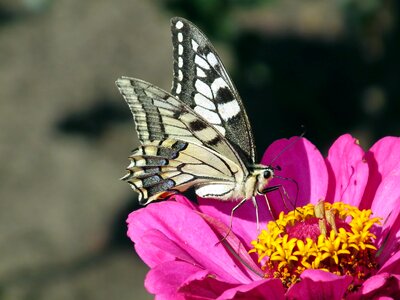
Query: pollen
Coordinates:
[334,237]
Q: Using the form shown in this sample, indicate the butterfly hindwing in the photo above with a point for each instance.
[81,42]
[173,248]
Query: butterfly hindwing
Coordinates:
[200,80]
[163,167]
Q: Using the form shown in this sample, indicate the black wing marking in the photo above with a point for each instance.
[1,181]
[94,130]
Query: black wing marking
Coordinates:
[200,80]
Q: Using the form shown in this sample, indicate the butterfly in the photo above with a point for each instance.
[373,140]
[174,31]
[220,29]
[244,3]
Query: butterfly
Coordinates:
[198,136]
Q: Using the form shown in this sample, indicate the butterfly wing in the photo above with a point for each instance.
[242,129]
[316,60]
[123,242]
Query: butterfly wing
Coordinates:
[159,115]
[200,80]
[163,167]
[180,149]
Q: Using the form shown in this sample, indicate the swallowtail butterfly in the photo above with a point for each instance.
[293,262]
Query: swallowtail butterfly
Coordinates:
[198,136]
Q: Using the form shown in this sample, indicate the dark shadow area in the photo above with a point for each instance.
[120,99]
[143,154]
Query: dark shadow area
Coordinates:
[289,82]
[95,120]
[118,229]
[8,15]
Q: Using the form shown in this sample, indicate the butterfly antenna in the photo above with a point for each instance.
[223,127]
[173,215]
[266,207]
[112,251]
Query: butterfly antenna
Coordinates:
[289,145]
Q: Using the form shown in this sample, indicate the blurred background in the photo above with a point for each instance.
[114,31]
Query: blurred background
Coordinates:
[332,66]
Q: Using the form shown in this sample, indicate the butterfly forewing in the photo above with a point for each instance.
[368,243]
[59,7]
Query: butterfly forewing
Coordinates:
[159,115]
[200,80]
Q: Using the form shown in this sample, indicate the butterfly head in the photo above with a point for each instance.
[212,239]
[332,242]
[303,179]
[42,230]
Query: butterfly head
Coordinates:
[263,175]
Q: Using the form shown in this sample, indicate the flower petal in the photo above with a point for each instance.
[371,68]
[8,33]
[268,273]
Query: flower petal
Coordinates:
[392,265]
[387,196]
[235,247]
[381,285]
[317,284]
[154,248]
[262,289]
[389,236]
[300,161]
[244,218]
[348,172]
[382,192]
[184,227]
[202,285]
[165,279]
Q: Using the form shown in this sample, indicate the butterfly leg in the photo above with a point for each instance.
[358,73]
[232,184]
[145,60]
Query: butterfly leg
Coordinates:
[230,222]
[254,200]
[284,190]
[269,190]
[284,195]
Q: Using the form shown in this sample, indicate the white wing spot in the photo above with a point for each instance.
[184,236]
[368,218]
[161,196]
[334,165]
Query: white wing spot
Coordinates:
[212,59]
[209,115]
[180,62]
[178,88]
[203,88]
[201,62]
[180,49]
[180,75]
[180,37]
[195,46]
[215,190]
[179,25]
[203,101]
[200,72]
[217,84]
[228,110]
[220,129]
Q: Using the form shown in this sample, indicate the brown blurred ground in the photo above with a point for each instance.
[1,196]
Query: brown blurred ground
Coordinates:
[60,194]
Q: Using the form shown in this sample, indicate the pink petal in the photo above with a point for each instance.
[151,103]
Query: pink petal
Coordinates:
[380,286]
[263,289]
[387,196]
[182,199]
[154,247]
[165,279]
[301,161]
[244,219]
[235,247]
[317,284]
[202,285]
[383,161]
[392,265]
[243,222]
[389,237]
[348,172]
[187,229]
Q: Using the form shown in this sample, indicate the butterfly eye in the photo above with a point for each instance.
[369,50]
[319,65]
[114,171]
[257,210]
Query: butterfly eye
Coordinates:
[267,174]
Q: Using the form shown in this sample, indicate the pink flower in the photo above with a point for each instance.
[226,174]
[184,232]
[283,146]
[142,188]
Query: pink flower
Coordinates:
[180,241]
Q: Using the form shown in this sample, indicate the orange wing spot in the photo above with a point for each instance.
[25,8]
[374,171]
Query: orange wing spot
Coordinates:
[166,194]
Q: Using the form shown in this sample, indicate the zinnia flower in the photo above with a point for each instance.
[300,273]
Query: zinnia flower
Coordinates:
[339,239]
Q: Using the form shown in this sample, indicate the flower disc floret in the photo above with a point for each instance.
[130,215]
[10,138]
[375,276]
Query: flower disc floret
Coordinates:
[332,237]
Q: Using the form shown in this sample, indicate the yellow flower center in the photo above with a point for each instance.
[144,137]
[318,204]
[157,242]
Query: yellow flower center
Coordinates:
[333,237]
